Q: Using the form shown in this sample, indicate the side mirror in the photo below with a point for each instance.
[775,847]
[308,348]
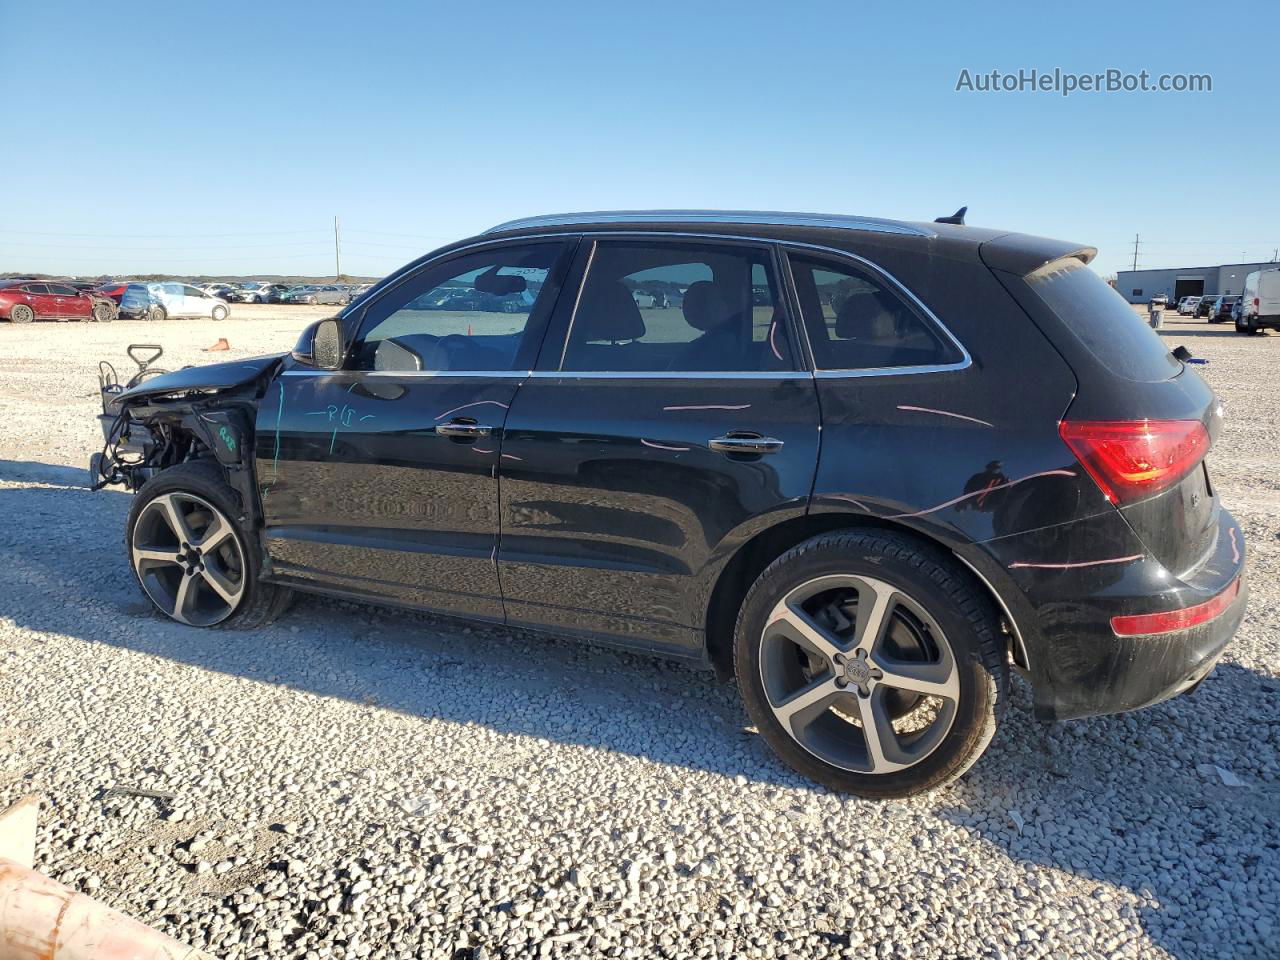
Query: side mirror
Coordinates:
[321,345]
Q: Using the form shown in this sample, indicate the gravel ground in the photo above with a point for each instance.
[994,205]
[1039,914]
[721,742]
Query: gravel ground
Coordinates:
[353,782]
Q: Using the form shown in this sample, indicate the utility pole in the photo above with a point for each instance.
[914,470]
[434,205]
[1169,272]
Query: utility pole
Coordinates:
[337,250]
[1135,251]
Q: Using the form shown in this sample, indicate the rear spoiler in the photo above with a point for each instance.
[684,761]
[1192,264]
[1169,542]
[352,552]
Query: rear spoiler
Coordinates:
[1021,254]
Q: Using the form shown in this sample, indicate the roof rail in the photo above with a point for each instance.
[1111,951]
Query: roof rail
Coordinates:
[836,221]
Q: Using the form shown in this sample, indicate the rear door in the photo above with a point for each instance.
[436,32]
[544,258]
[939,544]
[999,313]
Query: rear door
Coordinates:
[69,302]
[667,422]
[380,480]
[36,296]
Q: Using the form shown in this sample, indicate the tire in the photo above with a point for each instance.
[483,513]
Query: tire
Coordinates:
[156,314]
[217,587]
[940,636]
[103,313]
[21,313]
[219,312]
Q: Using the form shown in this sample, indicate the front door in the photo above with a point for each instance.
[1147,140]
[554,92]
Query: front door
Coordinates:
[381,479]
[671,424]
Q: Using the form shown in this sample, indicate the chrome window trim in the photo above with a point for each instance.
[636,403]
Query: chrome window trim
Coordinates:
[412,374]
[747,217]
[673,375]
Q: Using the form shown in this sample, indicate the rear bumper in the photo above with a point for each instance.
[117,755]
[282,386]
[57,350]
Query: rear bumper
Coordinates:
[1062,587]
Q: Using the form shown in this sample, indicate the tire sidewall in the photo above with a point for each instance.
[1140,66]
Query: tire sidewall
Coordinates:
[974,723]
[23,311]
[219,313]
[205,482]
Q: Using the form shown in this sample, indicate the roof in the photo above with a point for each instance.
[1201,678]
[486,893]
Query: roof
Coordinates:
[772,218]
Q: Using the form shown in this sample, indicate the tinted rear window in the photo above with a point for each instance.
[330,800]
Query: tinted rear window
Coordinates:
[1110,329]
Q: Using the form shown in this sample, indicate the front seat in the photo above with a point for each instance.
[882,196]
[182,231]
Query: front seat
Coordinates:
[606,326]
[719,346]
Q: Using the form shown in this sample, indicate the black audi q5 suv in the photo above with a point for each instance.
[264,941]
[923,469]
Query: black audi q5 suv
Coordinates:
[866,467]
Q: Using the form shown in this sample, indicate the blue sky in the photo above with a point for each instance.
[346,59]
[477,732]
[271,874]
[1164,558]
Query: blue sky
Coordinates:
[223,138]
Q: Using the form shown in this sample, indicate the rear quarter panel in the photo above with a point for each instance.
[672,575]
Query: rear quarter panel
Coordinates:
[962,455]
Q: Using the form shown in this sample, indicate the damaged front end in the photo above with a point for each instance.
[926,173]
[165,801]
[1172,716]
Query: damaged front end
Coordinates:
[159,419]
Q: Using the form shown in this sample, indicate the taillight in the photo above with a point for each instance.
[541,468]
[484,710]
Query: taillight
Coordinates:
[1146,624]
[1131,459]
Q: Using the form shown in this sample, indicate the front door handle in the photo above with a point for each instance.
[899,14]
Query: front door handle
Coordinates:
[751,443]
[463,430]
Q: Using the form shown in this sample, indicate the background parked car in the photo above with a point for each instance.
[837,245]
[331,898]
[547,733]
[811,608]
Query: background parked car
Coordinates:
[184,300]
[1204,307]
[1221,309]
[252,292]
[22,301]
[327,293]
[137,302]
[1187,305]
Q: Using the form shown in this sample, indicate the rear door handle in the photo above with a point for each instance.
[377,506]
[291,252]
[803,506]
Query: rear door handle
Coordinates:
[745,443]
[464,431]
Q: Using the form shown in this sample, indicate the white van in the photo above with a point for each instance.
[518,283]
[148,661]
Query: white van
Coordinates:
[1260,302]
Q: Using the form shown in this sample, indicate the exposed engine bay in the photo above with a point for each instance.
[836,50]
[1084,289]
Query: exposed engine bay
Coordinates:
[159,418]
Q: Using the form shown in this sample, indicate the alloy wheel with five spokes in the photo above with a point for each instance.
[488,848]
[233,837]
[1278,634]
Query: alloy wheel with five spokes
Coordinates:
[837,654]
[188,559]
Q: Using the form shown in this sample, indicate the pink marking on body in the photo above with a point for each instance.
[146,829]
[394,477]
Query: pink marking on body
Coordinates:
[945,413]
[478,403]
[711,406]
[511,456]
[1073,566]
[773,328]
[983,492]
[1235,547]
[662,446]
[843,496]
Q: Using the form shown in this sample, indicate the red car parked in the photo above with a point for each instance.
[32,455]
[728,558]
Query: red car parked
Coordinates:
[22,301]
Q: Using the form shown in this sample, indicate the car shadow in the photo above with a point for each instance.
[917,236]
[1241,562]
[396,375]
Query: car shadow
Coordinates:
[1230,332]
[1062,807]
[1073,816]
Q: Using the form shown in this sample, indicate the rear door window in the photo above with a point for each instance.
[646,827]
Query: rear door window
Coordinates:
[658,306]
[1108,327]
[857,320]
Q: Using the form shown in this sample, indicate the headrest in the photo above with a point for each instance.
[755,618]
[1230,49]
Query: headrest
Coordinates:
[865,316]
[608,312]
[704,306]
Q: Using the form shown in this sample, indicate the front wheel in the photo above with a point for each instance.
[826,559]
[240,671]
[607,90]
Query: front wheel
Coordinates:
[103,313]
[191,551]
[870,663]
[219,313]
[156,314]
[21,313]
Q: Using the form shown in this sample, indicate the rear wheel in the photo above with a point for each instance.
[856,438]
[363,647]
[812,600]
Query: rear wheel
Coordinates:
[157,313]
[21,313]
[870,663]
[192,554]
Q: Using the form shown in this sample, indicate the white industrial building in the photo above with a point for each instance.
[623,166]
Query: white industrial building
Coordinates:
[1139,286]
